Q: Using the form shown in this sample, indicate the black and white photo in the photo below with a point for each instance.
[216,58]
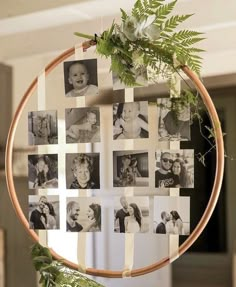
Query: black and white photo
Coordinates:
[42,128]
[131,214]
[82,125]
[43,171]
[130,120]
[174,120]
[171,215]
[44,212]
[82,171]
[174,168]
[80,78]
[83,214]
[140,75]
[130,168]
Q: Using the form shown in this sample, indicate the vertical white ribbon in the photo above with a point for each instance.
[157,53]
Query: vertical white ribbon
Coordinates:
[129,237]
[41,103]
[175,91]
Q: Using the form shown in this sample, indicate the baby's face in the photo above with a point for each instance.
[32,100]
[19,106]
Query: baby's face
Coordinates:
[130,111]
[92,119]
[78,76]
[82,174]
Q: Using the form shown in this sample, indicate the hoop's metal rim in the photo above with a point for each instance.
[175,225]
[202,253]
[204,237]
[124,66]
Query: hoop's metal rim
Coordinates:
[204,219]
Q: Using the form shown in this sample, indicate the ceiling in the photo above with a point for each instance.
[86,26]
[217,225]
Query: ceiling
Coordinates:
[35,27]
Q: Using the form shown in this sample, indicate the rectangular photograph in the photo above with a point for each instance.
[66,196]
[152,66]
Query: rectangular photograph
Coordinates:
[80,78]
[174,168]
[44,212]
[174,120]
[171,215]
[82,171]
[131,214]
[43,171]
[130,168]
[42,128]
[130,120]
[83,214]
[82,125]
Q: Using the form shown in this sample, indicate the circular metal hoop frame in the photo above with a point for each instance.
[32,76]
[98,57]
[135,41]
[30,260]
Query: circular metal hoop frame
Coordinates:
[205,217]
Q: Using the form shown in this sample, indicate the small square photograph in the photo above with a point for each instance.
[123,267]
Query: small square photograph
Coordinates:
[140,75]
[80,78]
[44,212]
[82,171]
[174,120]
[43,171]
[171,215]
[83,214]
[82,125]
[131,214]
[42,128]
[174,168]
[130,120]
[130,168]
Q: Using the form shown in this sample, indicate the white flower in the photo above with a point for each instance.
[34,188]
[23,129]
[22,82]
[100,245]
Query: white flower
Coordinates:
[129,27]
[152,32]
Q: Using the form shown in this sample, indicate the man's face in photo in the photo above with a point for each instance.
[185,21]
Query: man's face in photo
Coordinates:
[166,161]
[42,202]
[74,213]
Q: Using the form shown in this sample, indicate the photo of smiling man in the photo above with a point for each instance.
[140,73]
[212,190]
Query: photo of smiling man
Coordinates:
[72,214]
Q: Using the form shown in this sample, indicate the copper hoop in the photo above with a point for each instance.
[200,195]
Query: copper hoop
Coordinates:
[205,217]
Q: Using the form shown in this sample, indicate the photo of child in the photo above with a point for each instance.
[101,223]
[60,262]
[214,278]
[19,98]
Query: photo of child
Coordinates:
[82,171]
[42,128]
[174,124]
[43,171]
[80,78]
[130,168]
[130,120]
[82,125]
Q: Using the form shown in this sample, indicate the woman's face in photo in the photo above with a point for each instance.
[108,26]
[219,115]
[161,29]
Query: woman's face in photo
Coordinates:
[46,209]
[176,168]
[90,213]
[130,210]
[82,174]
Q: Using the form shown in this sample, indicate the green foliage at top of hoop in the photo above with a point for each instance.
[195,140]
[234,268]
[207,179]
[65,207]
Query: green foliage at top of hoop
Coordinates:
[148,37]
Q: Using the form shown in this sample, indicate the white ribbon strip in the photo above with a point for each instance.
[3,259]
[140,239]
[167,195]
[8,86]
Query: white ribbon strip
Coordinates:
[173,247]
[175,89]
[41,102]
[129,254]
[81,251]
[79,53]
[129,237]
[41,91]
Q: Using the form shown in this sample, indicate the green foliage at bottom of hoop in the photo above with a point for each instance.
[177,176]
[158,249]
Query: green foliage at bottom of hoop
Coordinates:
[54,274]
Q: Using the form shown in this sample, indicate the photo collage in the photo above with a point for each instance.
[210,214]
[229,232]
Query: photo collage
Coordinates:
[131,168]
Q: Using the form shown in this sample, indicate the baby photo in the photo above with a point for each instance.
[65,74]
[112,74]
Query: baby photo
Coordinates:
[174,120]
[130,168]
[171,215]
[80,78]
[140,75]
[131,214]
[174,168]
[44,212]
[130,120]
[43,171]
[82,125]
[83,214]
[82,171]
[42,128]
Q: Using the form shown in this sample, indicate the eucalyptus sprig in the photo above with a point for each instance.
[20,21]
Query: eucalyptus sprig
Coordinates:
[148,37]
[54,274]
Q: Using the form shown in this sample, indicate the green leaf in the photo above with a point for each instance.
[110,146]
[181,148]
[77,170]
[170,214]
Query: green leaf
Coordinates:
[184,34]
[163,11]
[124,15]
[173,22]
[191,41]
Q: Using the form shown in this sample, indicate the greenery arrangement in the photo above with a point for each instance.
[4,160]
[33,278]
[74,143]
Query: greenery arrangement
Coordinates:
[54,273]
[148,38]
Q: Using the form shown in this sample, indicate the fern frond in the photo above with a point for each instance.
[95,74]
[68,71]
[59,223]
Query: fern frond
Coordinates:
[191,41]
[184,34]
[124,15]
[163,11]
[173,22]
